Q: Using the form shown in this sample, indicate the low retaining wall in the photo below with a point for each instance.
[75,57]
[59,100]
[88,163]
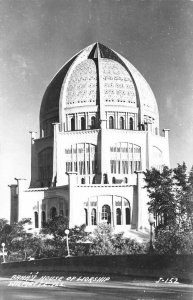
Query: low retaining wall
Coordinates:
[144,266]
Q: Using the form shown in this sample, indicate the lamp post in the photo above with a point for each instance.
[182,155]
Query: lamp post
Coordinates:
[3,246]
[151,222]
[67,244]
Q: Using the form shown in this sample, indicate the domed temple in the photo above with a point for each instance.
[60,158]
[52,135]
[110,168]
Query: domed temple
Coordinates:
[99,130]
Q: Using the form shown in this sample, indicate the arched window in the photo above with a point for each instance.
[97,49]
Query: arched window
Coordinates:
[83,123]
[86,216]
[93,122]
[36,219]
[72,124]
[118,215]
[105,179]
[121,123]
[93,216]
[53,213]
[125,180]
[127,215]
[43,218]
[106,214]
[82,181]
[131,123]
[113,180]
[111,122]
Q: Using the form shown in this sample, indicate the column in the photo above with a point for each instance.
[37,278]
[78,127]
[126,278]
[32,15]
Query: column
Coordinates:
[66,122]
[86,120]
[21,203]
[85,162]
[89,213]
[132,165]
[98,214]
[14,203]
[90,161]
[117,120]
[72,160]
[76,121]
[55,154]
[104,159]
[73,204]
[113,213]
[102,136]
[123,214]
[139,200]
[166,133]
[40,214]
[121,210]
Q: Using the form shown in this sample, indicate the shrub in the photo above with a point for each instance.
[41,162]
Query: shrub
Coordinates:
[173,242]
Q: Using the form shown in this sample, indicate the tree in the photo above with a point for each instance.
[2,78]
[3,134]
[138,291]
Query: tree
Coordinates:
[79,240]
[17,239]
[21,238]
[171,201]
[54,235]
[162,201]
[56,240]
[101,240]
[181,193]
[5,230]
[56,227]
[189,204]
[173,241]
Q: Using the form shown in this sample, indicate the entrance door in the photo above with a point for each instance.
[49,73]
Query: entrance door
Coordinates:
[106,214]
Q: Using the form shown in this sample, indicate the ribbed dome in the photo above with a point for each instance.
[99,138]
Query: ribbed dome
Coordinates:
[97,75]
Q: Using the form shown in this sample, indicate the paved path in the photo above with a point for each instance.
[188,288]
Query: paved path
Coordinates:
[135,290]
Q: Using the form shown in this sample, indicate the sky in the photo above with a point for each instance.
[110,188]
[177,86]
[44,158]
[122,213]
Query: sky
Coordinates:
[37,37]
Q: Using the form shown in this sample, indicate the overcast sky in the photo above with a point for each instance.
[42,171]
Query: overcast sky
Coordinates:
[38,36]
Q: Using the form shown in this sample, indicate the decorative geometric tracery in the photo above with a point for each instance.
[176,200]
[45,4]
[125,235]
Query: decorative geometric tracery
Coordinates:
[118,85]
[82,85]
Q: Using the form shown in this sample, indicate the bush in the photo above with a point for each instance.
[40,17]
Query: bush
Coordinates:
[173,242]
[105,242]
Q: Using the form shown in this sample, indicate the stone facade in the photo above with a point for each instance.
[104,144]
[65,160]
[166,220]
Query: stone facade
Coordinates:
[99,130]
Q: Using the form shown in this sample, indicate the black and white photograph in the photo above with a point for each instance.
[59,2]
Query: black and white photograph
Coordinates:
[96,149]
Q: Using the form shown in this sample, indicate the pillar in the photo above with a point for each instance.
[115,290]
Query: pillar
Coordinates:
[54,176]
[34,160]
[73,199]
[166,133]
[14,203]
[139,223]
[21,203]
[40,214]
